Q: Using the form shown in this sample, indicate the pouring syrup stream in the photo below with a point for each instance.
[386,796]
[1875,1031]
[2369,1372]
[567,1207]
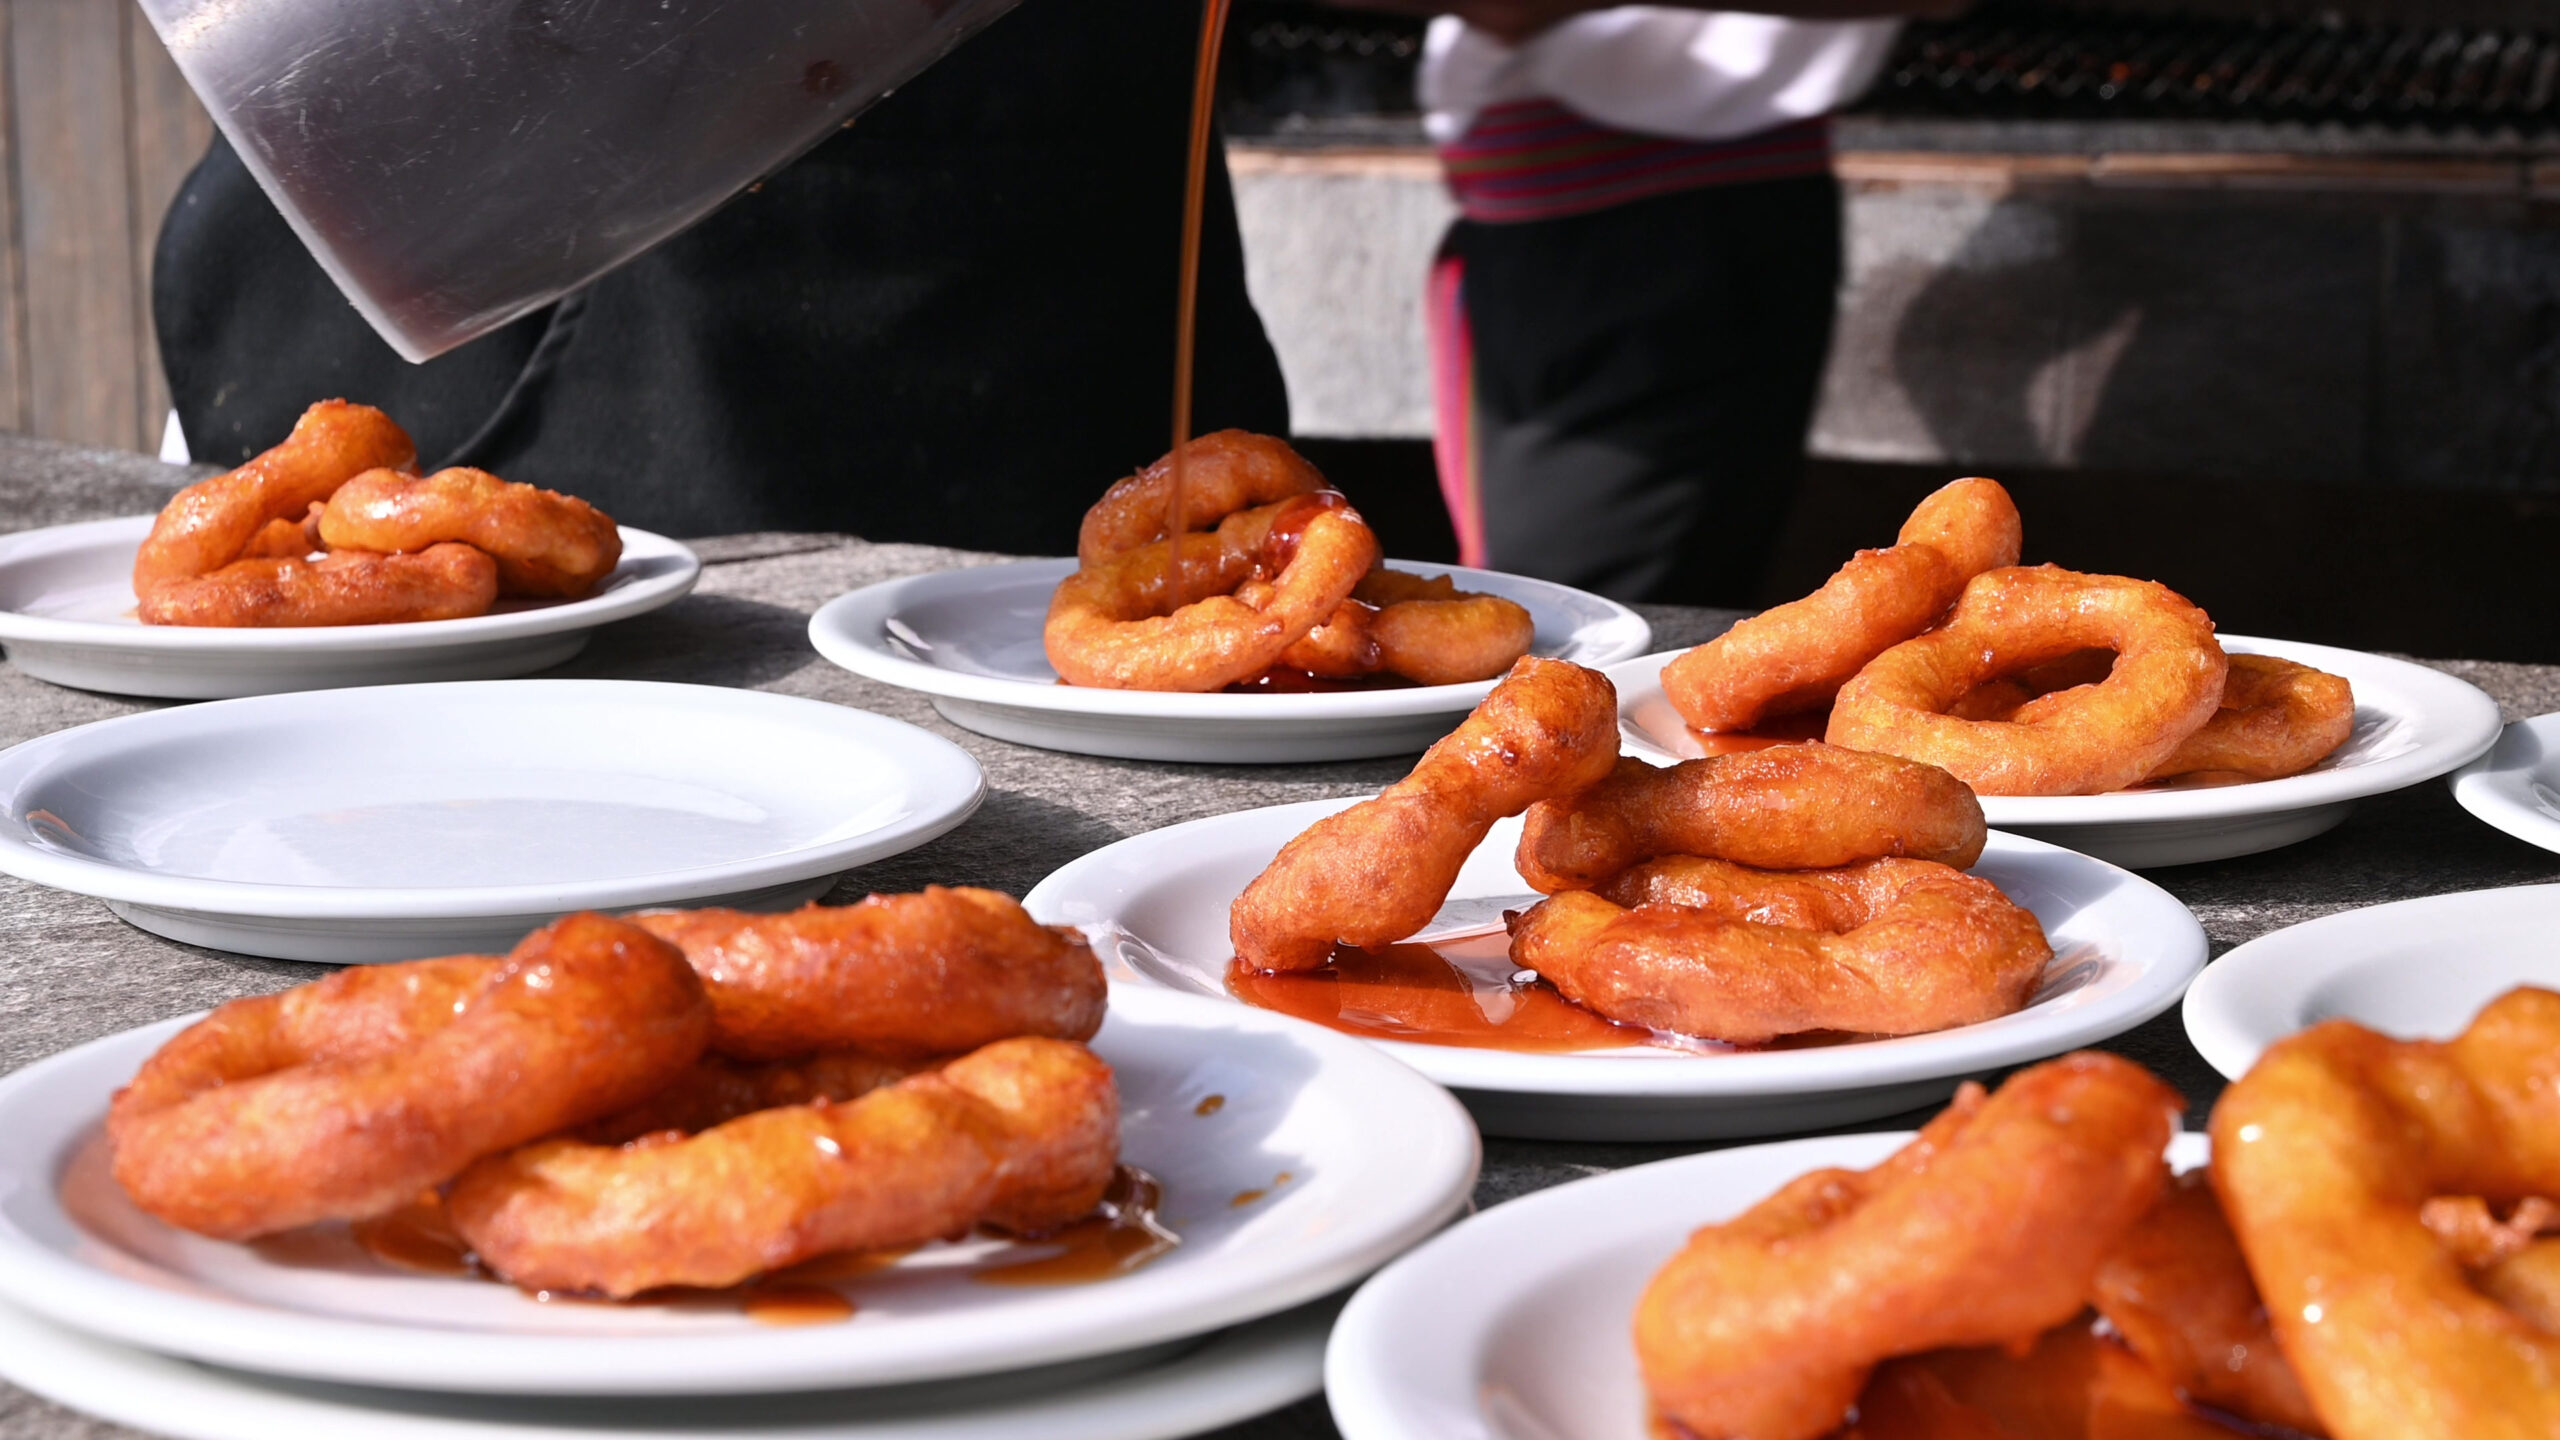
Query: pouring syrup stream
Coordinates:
[1204,94]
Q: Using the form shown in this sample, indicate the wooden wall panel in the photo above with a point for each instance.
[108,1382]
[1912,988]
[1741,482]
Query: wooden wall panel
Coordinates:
[75,195]
[97,129]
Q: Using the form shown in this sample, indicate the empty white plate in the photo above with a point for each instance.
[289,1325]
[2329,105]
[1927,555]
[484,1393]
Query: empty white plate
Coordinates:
[1517,1324]
[2416,969]
[1230,1376]
[2412,724]
[398,821]
[1318,1161]
[969,640]
[2516,786]
[2123,952]
[66,615]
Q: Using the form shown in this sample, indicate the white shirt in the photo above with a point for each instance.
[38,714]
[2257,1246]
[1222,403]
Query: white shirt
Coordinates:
[1687,74]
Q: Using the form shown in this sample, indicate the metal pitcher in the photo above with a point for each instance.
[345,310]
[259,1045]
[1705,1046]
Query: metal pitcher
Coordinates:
[454,164]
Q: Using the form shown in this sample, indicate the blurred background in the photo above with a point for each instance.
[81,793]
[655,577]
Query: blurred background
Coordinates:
[2259,297]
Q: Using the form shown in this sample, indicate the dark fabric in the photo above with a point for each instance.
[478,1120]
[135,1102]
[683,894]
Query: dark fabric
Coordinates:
[1643,379]
[952,323]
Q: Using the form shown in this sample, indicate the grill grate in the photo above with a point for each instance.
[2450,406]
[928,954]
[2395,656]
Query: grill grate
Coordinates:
[2012,62]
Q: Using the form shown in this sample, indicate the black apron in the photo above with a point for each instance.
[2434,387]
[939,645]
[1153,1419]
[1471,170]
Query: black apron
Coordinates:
[951,323]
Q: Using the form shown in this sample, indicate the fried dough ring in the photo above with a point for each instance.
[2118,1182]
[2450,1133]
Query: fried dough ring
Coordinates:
[2070,1383]
[288,539]
[934,973]
[2176,1288]
[1380,870]
[1023,1133]
[1805,806]
[2326,1155]
[1984,1229]
[547,545]
[344,587]
[2277,718]
[1222,472]
[1426,630]
[718,1090]
[1795,656]
[1899,947]
[210,523]
[2166,683]
[346,1098]
[1108,624]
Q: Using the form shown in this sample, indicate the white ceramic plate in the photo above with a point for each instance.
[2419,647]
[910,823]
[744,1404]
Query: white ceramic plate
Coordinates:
[2123,952]
[2516,786]
[1515,1324]
[1355,1156]
[66,615]
[1230,1376]
[2412,724]
[398,821]
[2415,969]
[970,640]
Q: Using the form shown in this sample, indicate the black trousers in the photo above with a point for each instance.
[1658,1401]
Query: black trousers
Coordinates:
[951,323]
[1642,380]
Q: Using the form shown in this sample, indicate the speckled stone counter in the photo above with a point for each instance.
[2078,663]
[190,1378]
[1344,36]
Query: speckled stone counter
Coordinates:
[70,971]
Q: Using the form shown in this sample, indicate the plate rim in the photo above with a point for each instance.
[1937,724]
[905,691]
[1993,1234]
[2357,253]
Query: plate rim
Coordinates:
[2469,717]
[842,631]
[2486,786]
[1255,1351]
[1361,1373]
[941,764]
[252,642]
[1755,1075]
[97,1301]
[2215,1012]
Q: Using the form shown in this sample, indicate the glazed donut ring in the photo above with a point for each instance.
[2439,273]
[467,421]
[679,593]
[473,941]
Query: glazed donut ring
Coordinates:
[1108,624]
[2276,718]
[2177,1290]
[1806,806]
[1424,629]
[1023,1134]
[2166,683]
[348,1097]
[1983,1230]
[344,587]
[1893,947]
[2327,1154]
[933,973]
[211,523]
[1796,656]
[1380,870]
[1223,472]
[547,545]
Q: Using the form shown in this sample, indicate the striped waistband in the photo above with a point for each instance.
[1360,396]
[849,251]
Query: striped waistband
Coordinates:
[1537,160]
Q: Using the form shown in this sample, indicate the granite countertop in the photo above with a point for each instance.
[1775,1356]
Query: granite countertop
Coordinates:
[70,971]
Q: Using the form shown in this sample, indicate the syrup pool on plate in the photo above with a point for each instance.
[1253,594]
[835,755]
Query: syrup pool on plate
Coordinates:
[1457,991]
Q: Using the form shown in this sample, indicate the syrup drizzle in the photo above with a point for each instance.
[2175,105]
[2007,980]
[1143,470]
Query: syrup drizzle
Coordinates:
[1121,1235]
[1204,93]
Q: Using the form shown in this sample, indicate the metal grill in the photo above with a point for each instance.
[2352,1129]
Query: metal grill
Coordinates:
[2011,61]
[1307,61]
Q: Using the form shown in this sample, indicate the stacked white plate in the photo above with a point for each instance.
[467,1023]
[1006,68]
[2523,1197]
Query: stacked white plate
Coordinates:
[969,640]
[2123,952]
[392,822]
[1293,1162]
[1519,1322]
[2412,724]
[2413,969]
[66,615]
